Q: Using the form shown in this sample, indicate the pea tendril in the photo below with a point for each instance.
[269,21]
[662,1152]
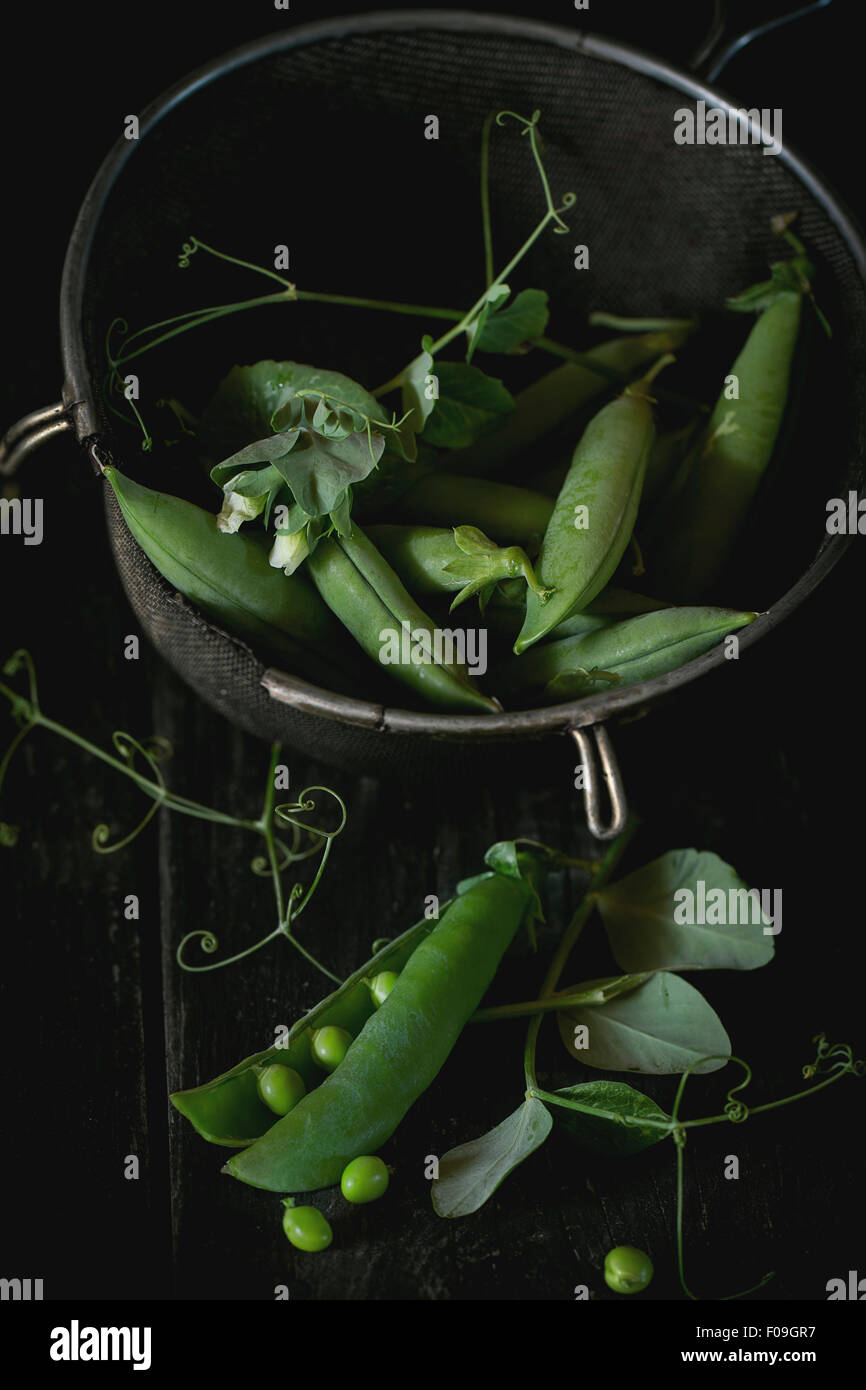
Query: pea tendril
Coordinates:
[278,855]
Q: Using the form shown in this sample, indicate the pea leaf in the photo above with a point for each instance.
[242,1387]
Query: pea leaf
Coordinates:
[601,1134]
[660,1028]
[646,916]
[508,327]
[317,470]
[470,405]
[466,883]
[495,296]
[415,393]
[471,1173]
[246,399]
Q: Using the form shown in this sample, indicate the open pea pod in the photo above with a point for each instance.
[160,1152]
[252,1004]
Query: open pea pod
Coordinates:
[229,1111]
[443,970]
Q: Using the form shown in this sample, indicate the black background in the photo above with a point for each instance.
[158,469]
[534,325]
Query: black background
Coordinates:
[98,1024]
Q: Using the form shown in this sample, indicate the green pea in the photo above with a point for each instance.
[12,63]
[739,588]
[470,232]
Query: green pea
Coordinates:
[330,1046]
[306,1227]
[381,986]
[364,1179]
[281,1088]
[627,1270]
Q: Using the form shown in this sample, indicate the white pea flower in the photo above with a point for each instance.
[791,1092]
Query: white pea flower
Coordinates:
[237,509]
[289,550]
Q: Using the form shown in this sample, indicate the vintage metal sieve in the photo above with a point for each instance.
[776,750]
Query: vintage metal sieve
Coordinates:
[672,230]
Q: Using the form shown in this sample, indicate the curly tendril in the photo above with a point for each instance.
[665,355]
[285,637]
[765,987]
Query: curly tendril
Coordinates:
[128,755]
[305,803]
[530,128]
[261,865]
[21,660]
[736,1110]
[188,249]
[209,943]
[154,750]
[26,714]
[122,327]
[836,1058]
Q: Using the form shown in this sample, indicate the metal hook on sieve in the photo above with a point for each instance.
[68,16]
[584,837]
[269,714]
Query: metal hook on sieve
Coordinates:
[29,433]
[595,747]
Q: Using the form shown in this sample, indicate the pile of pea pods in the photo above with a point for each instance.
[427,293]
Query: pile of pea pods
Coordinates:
[364,602]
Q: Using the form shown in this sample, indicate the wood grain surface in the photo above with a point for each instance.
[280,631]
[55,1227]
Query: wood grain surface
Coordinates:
[98,1024]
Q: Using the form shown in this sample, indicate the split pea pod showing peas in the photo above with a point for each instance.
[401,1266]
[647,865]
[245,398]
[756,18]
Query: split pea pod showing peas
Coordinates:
[361,588]
[403,1044]
[230,1110]
[595,511]
[548,402]
[621,653]
[229,578]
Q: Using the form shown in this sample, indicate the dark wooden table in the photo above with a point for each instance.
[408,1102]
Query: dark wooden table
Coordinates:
[98,1023]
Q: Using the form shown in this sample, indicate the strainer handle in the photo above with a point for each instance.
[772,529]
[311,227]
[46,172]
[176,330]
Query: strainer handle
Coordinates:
[719,47]
[596,749]
[29,433]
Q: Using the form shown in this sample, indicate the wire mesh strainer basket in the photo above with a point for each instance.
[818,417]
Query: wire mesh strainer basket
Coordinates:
[316,136]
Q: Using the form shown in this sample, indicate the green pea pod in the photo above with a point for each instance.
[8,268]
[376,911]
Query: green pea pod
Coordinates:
[595,511]
[622,653]
[461,560]
[666,454]
[549,402]
[620,603]
[403,1044]
[229,1109]
[695,533]
[229,578]
[509,515]
[665,462]
[361,588]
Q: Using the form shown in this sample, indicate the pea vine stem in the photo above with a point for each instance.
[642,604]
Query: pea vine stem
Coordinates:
[27,710]
[553,214]
[486,229]
[160,793]
[606,867]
